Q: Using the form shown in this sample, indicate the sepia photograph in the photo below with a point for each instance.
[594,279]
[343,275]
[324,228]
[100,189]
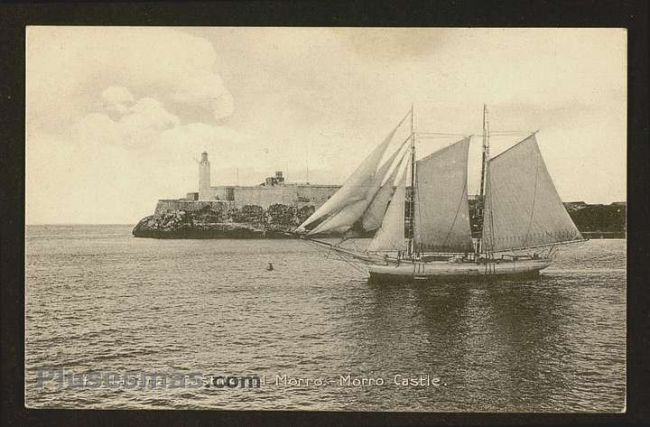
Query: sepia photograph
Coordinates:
[326,219]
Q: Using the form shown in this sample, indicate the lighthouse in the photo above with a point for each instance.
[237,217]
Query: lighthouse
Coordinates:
[204,177]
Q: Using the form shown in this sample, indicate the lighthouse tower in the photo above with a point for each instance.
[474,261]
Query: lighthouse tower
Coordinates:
[204,177]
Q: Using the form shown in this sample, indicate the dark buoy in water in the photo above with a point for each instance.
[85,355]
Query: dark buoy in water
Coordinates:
[269,267]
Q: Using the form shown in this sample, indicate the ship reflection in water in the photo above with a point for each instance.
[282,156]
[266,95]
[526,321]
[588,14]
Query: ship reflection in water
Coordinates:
[519,345]
[99,299]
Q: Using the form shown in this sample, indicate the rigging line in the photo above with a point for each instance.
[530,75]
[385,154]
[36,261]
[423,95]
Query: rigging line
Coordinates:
[513,147]
[441,133]
[493,132]
[419,212]
[350,263]
[460,202]
[532,208]
[344,238]
[401,145]
[411,240]
[355,246]
[569,242]
[327,253]
[489,188]
[409,113]
[438,136]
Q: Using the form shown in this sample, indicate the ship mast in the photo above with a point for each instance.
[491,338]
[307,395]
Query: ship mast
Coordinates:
[411,241]
[484,163]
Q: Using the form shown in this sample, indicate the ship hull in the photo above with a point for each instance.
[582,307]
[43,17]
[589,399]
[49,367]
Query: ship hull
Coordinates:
[446,270]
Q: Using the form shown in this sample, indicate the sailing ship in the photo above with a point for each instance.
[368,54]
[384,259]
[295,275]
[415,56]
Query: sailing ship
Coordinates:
[423,232]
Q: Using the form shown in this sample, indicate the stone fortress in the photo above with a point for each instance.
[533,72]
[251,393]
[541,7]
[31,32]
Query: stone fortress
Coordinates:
[274,208]
[274,190]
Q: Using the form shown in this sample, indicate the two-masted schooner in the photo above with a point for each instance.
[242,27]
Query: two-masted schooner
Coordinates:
[423,231]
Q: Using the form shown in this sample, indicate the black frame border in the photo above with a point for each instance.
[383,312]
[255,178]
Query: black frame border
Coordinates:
[14,16]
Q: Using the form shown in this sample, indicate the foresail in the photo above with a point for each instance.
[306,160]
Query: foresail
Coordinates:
[355,187]
[441,207]
[522,207]
[390,236]
[344,219]
[374,214]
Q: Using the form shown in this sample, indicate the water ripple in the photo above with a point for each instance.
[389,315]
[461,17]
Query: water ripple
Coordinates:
[99,299]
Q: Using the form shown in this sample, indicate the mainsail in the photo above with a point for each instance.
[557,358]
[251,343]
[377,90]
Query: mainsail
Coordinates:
[522,207]
[390,237]
[441,207]
[354,189]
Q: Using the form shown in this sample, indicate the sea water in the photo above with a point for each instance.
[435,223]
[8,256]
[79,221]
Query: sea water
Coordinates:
[313,334]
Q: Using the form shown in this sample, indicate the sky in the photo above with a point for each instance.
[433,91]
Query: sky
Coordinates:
[116,117]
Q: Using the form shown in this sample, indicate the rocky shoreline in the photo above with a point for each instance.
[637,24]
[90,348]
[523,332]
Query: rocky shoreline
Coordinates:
[223,221]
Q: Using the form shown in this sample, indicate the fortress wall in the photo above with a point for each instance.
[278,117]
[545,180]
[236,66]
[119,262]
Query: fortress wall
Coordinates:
[292,194]
[317,195]
[218,193]
[183,205]
[265,196]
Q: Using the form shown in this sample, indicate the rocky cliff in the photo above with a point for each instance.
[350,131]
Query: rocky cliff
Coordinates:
[219,220]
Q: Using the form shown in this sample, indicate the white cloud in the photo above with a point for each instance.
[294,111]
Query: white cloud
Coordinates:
[206,90]
[66,65]
[146,120]
[153,79]
[140,125]
[117,100]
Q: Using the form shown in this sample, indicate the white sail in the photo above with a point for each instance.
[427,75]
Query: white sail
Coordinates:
[374,215]
[441,207]
[344,219]
[355,187]
[390,236]
[522,207]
